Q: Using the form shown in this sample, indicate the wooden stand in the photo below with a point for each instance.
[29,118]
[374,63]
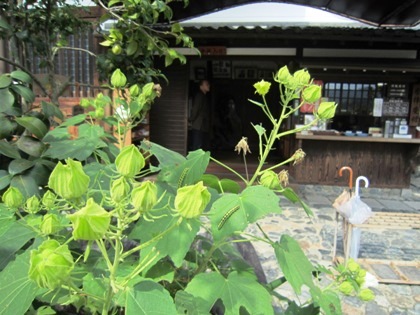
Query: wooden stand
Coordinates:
[405,272]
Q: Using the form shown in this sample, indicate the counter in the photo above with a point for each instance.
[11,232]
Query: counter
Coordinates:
[386,162]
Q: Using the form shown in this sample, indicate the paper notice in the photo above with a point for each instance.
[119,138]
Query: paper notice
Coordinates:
[377,107]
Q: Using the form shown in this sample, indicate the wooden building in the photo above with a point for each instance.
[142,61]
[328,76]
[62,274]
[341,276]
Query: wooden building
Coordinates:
[355,66]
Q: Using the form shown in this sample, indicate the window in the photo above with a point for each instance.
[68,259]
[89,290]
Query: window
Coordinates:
[353,98]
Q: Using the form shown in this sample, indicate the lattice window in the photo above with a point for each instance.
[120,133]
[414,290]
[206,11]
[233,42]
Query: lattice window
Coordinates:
[353,98]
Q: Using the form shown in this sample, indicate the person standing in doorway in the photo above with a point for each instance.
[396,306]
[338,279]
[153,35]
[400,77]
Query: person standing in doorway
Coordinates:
[200,118]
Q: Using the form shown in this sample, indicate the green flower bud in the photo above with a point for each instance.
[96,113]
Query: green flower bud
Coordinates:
[32,205]
[119,189]
[12,198]
[50,224]
[283,75]
[353,266]
[312,93]
[302,77]
[360,280]
[346,288]
[69,181]
[50,265]
[270,180]
[91,222]
[366,295]
[116,49]
[134,90]
[48,200]
[144,197]
[99,113]
[262,87]
[118,79]
[326,110]
[190,201]
[129,161]
[84,102]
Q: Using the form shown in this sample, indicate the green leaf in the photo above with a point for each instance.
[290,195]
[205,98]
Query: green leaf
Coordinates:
[149,298]
[175,243]
[7,219]
[290,194]
[294,309]
[12,240]
[4,25]
[328,300]
[187,304]
[57,134]
[188,172]
[33,125]
[17,291]
[18,166]
[295,266]
[51,110]
[75,120]
[31,146]
[7,100]
[5,178]
[232,213]
[9,150]
[26,184]
[236,292]
[5,81]
[259,129]
[166,157]
[225,185]
[21,76]
[6,127]
[24,91]
[90,131]
[79,149]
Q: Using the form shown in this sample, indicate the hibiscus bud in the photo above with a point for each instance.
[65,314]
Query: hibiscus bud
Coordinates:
[326,110]
[119,189]
[283,75]
[353,266]
[99,112]
[129,161]
[302,77]
[270,180]
[144,197]
[50,224]
[69,181]
[346,288]
[118,79]
[262,87]
[312,93]
[48,200]
[190,201]
[12,198]
[366,295]
[51,264]
[134,90]
[91,222]
[32,205]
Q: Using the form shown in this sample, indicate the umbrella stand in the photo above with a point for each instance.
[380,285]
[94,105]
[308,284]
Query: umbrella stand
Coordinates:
[350,187]
[352,245]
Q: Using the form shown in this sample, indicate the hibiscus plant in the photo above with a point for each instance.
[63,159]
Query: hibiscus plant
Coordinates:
[151,233]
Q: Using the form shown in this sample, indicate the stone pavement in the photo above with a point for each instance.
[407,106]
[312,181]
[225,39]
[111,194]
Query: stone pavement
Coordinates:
[316,235]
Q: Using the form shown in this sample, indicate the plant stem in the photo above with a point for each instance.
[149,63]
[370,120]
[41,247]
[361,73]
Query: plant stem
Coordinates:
[229,169]
[145,244]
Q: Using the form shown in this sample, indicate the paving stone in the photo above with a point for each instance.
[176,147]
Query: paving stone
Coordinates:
[395,205]
[413,204]
[373,309]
